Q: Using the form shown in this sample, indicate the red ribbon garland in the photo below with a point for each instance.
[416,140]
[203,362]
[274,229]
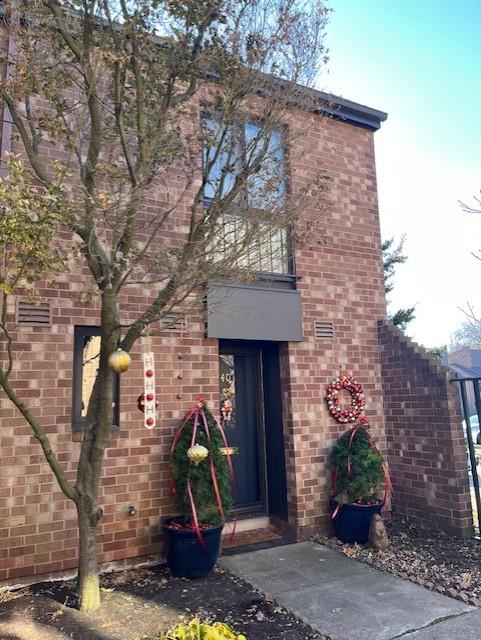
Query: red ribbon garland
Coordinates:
[387,478]
[231,471]
[197,530]
[213,474]
[229,457]
[197,411]
[187,417]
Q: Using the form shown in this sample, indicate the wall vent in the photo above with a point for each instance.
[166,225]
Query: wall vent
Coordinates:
[323,330]
[171,322]
[33,315]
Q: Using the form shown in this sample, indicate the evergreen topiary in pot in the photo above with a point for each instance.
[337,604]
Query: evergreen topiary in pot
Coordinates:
[202,486]
[359,476]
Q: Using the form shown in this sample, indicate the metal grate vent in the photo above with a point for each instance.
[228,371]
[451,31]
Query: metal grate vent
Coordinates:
[323,330]
[33,315]
[171,322]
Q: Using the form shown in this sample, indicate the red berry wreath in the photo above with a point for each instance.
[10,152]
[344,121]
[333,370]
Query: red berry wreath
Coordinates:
[355,411]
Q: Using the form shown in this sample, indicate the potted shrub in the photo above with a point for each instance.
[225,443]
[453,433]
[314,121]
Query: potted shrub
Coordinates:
[359,475]
[202,485]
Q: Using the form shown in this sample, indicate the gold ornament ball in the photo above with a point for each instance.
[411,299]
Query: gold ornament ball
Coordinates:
[119,361]
[197,453]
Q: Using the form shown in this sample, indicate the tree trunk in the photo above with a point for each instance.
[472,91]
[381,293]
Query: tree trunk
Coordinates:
[95,440]
[88,575]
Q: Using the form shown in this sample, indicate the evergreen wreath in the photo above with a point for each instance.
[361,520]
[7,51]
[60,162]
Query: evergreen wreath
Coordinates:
[358,404]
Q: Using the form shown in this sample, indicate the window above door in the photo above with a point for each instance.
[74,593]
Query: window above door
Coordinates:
[249,149]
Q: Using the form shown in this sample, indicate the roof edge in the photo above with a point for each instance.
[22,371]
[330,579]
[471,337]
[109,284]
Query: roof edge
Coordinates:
[351,112]
[329,104]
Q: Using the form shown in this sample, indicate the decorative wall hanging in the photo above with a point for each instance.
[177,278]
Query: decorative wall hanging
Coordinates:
[149,404]
[358,404]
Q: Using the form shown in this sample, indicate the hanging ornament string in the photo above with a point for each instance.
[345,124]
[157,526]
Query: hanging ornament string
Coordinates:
[148,402]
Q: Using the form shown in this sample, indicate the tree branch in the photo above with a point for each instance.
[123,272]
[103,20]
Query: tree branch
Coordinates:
[58,13]
[8,336]
[88,171]
[37,165]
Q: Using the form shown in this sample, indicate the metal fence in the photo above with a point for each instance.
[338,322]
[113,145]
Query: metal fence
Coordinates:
[471,404]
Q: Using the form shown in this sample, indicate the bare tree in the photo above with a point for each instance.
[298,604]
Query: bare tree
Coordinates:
[472,208]
[107,99]
[469,332]
[475,207]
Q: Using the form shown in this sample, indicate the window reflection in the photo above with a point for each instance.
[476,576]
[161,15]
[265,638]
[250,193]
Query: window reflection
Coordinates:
[228,149]
[86,365]
[90,366]
[227,389]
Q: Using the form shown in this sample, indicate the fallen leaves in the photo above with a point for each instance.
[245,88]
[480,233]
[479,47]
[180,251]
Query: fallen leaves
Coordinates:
[108,624]
[431,559]
[6,595]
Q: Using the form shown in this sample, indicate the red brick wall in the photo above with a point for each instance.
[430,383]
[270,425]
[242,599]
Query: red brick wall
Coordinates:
[427,452]
[341,281]
[38,524]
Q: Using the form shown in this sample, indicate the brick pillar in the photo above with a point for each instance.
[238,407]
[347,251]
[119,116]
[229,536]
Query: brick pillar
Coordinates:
[425,441]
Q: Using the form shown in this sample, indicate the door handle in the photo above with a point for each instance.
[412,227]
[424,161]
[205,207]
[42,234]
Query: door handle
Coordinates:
[229,451]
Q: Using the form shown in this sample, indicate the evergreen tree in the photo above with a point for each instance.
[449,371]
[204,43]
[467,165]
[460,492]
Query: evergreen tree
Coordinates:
[391,258]
[200,475]
[357,466]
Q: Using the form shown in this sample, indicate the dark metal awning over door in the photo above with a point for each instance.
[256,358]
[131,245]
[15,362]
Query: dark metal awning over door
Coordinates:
[243,312]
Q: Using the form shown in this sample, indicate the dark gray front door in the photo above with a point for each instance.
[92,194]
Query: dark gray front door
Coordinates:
[241,387]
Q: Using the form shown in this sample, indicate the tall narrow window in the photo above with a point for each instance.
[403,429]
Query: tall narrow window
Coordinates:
[85,368]
[229,150]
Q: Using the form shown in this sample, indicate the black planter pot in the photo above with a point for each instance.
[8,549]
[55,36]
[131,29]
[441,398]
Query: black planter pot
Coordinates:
[186,556]
[352,521]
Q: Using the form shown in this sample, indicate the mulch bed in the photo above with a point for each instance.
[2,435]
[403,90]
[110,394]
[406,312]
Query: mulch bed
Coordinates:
[434,560]
[142,603]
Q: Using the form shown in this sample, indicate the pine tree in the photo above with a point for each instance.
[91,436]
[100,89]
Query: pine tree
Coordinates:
[392,257]
[200,475]
[357,466]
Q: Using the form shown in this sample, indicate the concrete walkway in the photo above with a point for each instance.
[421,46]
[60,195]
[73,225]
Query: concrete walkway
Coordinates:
[347,600]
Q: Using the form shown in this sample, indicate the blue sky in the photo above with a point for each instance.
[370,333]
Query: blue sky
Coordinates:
[420,60]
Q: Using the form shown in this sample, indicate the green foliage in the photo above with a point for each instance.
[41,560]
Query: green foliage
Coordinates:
[438,352]
[197,630]
[403,317]
[391,257]
[200,475]
[360,473]
[28,229]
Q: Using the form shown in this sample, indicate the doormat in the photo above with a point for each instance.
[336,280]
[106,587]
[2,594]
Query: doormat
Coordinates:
[255,540]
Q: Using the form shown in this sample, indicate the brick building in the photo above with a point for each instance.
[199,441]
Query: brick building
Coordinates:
[272,345]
